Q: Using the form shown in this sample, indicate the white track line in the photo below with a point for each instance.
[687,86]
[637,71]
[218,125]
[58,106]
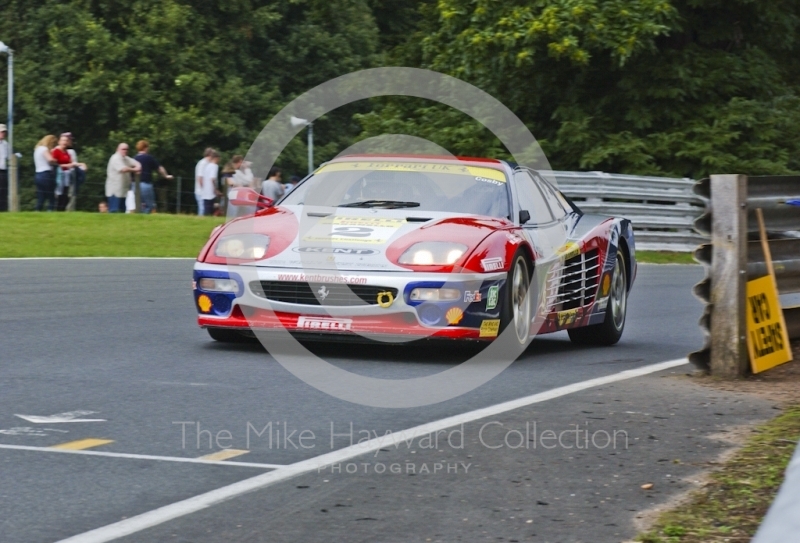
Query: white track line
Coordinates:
[169,512]
[143,457]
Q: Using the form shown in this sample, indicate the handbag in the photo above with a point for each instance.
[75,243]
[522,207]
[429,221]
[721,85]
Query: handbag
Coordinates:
[130,202]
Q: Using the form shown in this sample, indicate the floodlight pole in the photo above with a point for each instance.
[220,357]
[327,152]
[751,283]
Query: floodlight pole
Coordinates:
[13,199]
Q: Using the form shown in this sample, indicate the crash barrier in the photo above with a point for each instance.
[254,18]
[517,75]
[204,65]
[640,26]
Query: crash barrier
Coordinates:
[735,255]
[662,209]
[782,522]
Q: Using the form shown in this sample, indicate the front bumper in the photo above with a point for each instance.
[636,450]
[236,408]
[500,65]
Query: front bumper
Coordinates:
[475,315]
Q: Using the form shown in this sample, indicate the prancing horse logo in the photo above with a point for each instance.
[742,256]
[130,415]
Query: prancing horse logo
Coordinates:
[323,293]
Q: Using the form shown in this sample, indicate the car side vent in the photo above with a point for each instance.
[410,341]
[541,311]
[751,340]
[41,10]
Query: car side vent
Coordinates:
[576,285]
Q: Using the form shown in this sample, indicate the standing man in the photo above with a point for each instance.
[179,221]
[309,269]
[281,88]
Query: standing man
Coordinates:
[149,164]
[209,181]
[3,168]
[198,179]
[273,187]
[118,178]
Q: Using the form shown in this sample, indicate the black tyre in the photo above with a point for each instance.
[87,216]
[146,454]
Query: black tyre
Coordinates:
[226,336]
[516,309]
[610,330]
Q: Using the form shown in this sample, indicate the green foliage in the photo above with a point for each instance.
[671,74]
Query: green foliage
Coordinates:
[182,74]
[668,87]
[664,87]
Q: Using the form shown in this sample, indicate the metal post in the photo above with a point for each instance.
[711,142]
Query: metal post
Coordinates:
[137,191]
[728,276]
[310,148]
[13,193]
[178,203]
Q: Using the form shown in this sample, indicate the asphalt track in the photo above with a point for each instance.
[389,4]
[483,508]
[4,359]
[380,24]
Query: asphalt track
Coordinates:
[117,338]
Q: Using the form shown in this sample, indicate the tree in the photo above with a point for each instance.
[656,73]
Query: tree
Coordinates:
[681,87]
[184,75]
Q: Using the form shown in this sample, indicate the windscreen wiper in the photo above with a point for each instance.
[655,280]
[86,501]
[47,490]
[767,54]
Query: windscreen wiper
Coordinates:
[386,204]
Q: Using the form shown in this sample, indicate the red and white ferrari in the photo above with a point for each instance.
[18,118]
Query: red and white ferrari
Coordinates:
[417,247]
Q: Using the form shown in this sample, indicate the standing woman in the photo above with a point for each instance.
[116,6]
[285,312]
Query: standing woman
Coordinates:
[64,173]
[45,173]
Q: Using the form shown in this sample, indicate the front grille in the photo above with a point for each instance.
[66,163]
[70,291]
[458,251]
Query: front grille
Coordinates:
[576,284]
[326,294]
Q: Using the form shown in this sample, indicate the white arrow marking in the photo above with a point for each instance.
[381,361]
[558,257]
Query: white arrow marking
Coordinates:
[69,416]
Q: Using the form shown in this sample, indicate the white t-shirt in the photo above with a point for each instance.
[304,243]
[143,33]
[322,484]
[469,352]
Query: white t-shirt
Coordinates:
[3,155]
[198,172]
[210,173]
[40,160]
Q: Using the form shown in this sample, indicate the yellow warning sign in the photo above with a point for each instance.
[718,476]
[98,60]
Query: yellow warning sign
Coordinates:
[767,338]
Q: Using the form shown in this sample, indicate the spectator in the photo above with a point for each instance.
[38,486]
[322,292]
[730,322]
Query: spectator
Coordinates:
[272,187]
[149,164]
[65,173]
[198,179]
[3,169]
[209,183]
[118,178]
[244,176]
[227,179]
[45,173]
[102,207]
[293,181]
[79,174]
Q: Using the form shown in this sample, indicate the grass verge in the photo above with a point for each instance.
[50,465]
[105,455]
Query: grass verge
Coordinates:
[103,234]
[730,508]
[664,257]
[158,235]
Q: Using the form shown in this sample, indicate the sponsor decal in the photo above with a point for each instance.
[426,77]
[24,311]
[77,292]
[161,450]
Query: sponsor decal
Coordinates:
[316,278]
[323,323]
[323,292]
[513,239]
[490,328]
[488,174]
[569,250]
[472,296]
[492,297]
[336,250]
[565,318]
[606,284]
[454,315]
[493,264]
[385,299]
[204,303]
[492,181]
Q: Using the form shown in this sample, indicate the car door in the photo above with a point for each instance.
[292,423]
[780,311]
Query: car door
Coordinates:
[545,230]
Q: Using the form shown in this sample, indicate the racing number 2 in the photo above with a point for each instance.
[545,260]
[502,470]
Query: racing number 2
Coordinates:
[352,231]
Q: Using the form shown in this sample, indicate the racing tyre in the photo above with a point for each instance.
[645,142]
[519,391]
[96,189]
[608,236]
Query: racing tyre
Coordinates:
[225,336]
[516,310]
[610,330]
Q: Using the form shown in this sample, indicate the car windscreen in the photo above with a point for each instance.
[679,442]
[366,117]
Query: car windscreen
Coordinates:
[423,187]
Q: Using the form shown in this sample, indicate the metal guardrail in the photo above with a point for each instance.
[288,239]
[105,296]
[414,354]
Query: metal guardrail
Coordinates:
[735,256]
[663,210]
[782,522]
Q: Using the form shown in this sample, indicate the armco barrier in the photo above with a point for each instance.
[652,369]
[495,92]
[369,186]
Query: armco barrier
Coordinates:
[735,256]
[662,209]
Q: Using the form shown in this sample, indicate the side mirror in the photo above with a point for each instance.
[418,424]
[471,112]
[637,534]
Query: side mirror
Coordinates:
[244,196]
[524,216]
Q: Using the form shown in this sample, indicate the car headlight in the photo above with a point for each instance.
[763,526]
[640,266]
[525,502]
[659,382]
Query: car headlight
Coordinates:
[242,246]
[433,253]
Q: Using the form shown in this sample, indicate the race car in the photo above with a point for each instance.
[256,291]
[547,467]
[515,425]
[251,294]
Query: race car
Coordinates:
[398,248]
